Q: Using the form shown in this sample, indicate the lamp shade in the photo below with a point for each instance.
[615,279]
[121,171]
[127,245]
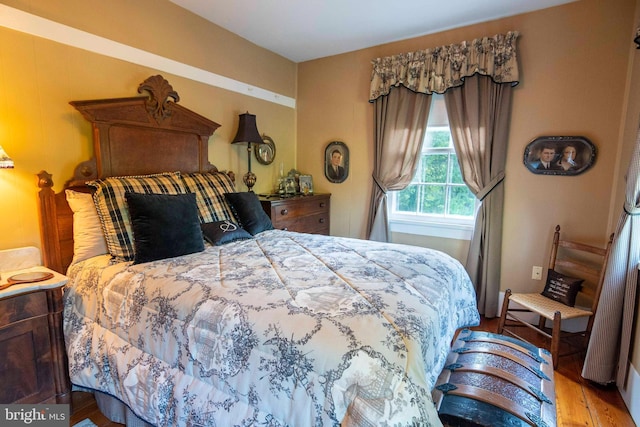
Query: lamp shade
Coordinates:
[5,160]
[247,130]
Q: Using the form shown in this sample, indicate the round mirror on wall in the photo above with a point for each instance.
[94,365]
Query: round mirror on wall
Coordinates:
[265,152]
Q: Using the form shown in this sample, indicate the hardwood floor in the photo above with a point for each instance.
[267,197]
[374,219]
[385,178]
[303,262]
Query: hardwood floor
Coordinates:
[579,402]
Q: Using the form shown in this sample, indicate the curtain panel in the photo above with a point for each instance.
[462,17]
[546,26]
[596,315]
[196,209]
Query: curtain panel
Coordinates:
[479,114]
[444,67]
[607,357]
[401,120]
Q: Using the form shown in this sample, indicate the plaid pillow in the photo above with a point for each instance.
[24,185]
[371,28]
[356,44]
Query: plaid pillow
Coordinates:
[210,189]
[112,207]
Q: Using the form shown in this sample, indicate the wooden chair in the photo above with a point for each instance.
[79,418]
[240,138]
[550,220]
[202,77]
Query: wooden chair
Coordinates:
[572,259]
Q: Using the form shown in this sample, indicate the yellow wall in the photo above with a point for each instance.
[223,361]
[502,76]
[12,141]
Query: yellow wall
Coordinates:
[38,78]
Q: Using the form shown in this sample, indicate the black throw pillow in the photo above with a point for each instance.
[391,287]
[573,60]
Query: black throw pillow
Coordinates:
[562,288]
[221,232]
[249,212]
[164,225]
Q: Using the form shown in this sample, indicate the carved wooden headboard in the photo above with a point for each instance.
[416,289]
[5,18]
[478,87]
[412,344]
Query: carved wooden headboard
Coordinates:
[131,136]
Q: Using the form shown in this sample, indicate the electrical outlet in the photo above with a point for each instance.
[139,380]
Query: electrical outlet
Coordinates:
[536,273]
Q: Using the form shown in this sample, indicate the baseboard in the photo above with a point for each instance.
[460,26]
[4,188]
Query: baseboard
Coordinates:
[632,393]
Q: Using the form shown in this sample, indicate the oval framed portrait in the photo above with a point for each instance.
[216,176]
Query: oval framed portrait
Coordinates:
[559,155]
[265,152]
[336,162]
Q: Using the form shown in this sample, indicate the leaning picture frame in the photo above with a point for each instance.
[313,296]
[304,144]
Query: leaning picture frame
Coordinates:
[336,162]
[559,155]
[290,185]
[306,184]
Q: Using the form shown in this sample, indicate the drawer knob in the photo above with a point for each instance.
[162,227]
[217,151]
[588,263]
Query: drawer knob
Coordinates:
[321,220]
[284,211]
[322,204]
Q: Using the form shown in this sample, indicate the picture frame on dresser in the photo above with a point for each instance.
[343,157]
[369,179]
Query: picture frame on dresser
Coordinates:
[306,184]
[290,187]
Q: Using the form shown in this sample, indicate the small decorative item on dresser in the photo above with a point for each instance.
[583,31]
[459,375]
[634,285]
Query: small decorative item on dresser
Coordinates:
[306,184]
[289,185]
[28,277]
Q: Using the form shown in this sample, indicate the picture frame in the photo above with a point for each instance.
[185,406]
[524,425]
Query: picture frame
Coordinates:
[559,155]
[336,162]
[306,184]
[265,152]
[290,185]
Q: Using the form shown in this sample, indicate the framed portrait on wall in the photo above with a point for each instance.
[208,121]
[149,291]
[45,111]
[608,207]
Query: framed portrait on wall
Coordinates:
[559,155]
[336,162]
[265,152]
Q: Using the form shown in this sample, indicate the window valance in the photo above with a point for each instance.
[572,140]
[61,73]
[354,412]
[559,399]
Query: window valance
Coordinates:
[441,68]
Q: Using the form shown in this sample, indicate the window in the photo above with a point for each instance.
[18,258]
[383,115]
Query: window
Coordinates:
[437,202]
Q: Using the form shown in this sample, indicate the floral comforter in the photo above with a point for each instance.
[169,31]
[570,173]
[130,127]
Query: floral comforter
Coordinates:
[286,329]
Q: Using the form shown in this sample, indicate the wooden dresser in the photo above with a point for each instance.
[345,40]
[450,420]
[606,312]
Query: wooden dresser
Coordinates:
[33,361]
[304,214]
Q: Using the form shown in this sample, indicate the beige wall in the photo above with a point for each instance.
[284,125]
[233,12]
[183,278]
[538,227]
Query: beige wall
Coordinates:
[38,78]
[574,63]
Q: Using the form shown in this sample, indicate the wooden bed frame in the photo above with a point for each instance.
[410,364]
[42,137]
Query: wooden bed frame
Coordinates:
[131,136]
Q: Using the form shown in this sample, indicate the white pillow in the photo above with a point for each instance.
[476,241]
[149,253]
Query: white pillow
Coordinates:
[88,239]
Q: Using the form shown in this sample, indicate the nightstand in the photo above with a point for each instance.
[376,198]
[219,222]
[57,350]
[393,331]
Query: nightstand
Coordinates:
[304,214]
[33,361]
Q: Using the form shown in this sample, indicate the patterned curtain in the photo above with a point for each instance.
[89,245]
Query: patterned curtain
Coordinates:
[441,68]
[608,351]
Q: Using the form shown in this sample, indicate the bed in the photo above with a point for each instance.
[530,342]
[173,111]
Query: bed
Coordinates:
[237,323]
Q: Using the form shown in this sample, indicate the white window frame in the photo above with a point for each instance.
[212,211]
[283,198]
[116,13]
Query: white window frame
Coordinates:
[446,226]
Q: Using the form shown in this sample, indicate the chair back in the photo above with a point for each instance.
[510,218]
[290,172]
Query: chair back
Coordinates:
[583,261]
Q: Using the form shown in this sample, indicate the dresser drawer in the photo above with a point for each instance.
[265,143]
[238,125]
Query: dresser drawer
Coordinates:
[299,208]
[22,307]
[316,223]
[304,214]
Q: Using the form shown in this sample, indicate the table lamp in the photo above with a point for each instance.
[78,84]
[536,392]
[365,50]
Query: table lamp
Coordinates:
[248,134]
[5,160]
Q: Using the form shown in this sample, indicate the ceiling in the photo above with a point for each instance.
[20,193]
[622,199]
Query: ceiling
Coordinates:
[301,30]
